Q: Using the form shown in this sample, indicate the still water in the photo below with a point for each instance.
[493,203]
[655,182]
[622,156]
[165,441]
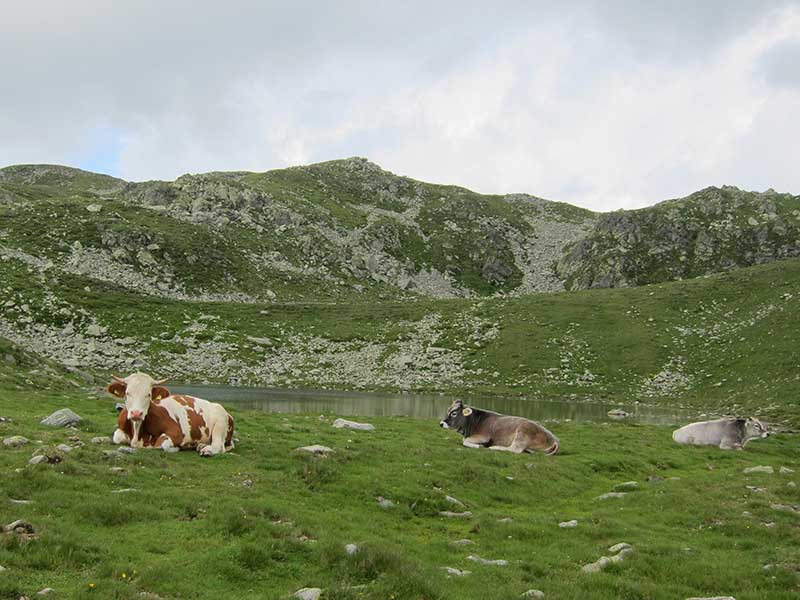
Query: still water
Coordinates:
[369,404]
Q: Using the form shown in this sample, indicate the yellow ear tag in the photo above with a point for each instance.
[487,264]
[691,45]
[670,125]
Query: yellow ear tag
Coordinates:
[158,397]
[466,412]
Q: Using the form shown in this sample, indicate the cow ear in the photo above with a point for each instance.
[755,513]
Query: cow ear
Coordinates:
[117,388]
[159,392]
[466,412]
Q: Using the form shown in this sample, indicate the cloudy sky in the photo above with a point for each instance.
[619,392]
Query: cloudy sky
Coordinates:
[606,104]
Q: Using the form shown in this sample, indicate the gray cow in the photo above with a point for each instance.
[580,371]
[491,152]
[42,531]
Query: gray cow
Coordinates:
[483,428]
[728,434]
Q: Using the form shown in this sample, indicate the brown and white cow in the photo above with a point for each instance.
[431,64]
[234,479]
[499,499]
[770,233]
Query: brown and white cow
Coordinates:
[154,417]
[484,428]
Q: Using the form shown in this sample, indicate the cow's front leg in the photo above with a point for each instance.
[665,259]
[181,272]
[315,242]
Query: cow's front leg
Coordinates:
[136,441]
[217,445]
[120,437]
[475,441]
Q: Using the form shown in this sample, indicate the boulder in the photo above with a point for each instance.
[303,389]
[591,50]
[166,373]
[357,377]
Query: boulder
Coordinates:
[344,423]
[62,418]
[315,449]
[759,469]
[15,441]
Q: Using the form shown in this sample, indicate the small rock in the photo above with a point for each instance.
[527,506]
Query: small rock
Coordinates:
[755,489]
[315,449]
[568,524]
[45,591]
[759,469]
[64,448]
[102,439]
[452,500]
[308,594]
[791,484]
[94,208]
[350,549]
[505,520]
[15,441]
[716,597]
[116,469]
[14,501]
[455,515]
[611,495]
[628,486]
[456,572]
[485,561]
[384,502]
[344,423]
[619,547]
[124,491]
[464,542]
[38,459]
[19,526]
[533,594]
[94,330]
[785,508]
[785,471]
[618,413]
[62,418]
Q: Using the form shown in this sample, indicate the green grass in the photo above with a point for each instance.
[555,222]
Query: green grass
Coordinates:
[236,526]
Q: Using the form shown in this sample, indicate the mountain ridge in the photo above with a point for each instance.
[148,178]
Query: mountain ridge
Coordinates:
[348,229]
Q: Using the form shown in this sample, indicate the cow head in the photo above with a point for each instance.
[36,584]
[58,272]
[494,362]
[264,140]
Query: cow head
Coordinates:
[138,390]
[457,416]
[753,429]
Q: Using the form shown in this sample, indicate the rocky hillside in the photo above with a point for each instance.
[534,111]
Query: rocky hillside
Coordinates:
[347,230]
[713,230]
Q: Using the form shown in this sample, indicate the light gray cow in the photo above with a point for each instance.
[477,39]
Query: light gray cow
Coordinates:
[728,433]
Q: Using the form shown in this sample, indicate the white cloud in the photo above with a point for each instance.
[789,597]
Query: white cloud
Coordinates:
[603,104]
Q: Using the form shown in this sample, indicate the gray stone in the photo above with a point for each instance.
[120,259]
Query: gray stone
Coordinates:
[456,572]
[713,597]
[455,515]
[463,542]
[533,594]
[568,524]
[628,486]
[94,330]
[38,459]
[315,449]
[785,471]
[64,448]
[344,423]
[453,500]
[350,549]
[62,418]
[94,208]
[308,594]
[611,495]
[102,439]
[759,469]
[619,547]
[384,502]
[15,441]
[618,413]
[485,561]
[45,592]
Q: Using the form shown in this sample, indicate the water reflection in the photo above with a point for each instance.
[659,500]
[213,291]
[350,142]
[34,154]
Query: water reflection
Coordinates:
[368,404]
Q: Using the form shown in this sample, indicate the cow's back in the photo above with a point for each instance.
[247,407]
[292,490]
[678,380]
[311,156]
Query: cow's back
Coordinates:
[703,432]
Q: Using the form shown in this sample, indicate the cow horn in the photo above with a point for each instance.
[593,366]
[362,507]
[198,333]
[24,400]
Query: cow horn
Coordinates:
[118,378]
[160,381]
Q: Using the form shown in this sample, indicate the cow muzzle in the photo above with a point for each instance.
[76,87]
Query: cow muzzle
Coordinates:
[136,415]
[443,424]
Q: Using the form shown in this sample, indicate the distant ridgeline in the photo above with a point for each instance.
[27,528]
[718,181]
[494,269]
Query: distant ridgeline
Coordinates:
[347,229]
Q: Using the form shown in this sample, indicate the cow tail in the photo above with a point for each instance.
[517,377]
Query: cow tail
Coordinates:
[553,449]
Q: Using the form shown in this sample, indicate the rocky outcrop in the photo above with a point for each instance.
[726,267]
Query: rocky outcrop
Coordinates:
[713,230]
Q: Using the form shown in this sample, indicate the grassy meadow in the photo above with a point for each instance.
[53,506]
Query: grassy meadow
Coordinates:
[265,521]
